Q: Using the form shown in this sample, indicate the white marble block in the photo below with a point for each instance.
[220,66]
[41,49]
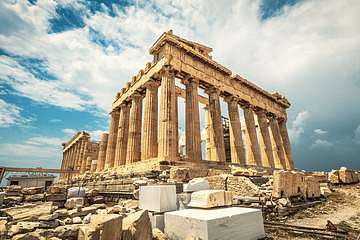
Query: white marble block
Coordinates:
[196,184]
[157,220]
[215,224]
[210,199]
[158,198]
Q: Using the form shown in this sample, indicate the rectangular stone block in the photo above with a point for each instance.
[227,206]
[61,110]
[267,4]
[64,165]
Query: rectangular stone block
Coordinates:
[157,220]
[210,199]
[210,224]
[158,198]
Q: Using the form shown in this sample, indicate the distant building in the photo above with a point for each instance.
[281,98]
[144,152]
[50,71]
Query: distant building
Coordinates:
[31,180]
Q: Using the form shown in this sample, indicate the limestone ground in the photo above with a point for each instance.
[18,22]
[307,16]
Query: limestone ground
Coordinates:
[342,208]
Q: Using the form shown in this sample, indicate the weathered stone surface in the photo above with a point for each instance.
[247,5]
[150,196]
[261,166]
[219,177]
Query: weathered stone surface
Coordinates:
[347,175]
[210,199]
[34,198]
[67,232]
[74,202]
[49,217]
[54,197]
[62,213]
[32,190]
[76,220]
[56,189]
[159,198]
[196,184]
[29,211]
[82,211]
[102,227]
[157,220]
[218,181]
[241,186]
[221,223]
[159,235]
[137,226]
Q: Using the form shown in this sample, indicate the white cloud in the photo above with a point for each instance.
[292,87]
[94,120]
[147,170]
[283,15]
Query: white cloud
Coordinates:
[357,135]
[320,131]
[42,140]
[286,48]
[10,115]
[321,144]
[297,126]
[26,150]
[69,132]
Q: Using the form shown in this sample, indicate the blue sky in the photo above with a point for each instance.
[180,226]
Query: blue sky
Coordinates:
[62,62]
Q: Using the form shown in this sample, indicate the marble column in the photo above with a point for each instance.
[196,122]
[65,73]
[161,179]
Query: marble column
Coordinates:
[210,144]
[236,139]
[88,163]
[85,147]
[254,157]
[123,134]
[168,142]
[267,157]
[133,152]
[279,154]
[102,152]
[286,143]
[111,146]
[63,164]
[215,116]
[71,159]
[150,127]
[192,120]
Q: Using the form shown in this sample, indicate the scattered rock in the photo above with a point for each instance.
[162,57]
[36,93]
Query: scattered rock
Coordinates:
[32,190]
[210,199]
[74,202]
[76,220]
[137,226]
[159,235]
[49,217]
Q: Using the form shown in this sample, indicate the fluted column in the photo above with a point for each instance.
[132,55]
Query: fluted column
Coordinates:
[85,147]
[123,134]
[102,152]
[88,163]
[168,144]
[236,141]
[254,157]
[215,116]
[150,128]
[209,138]
[192,120]
[267,157]
[279,154]
[81,157]
[63,164]
[133,153]
[287,144]
[111,146]
[71,159]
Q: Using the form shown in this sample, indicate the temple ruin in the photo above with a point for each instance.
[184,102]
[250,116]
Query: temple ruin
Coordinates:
[258,139]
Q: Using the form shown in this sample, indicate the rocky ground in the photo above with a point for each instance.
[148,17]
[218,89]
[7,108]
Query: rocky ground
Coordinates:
[342,209]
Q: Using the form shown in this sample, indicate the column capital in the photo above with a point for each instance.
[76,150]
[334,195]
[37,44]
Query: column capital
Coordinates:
[168,70]
[152,85]
[244,104]
[115,112]
[136,96]
[231,99]
[188,78]
[213,91]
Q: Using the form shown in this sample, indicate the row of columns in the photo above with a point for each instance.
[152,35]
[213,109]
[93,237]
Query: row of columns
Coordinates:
[75,157]
[130,140]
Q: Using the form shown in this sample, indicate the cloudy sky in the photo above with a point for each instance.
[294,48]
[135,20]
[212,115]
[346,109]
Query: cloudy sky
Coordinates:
[61,63]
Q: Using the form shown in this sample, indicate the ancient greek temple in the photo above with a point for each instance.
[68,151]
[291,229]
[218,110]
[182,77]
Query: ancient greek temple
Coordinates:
[144,116]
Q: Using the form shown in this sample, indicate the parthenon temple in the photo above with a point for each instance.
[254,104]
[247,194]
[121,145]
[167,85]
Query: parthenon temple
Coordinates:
[144,117]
